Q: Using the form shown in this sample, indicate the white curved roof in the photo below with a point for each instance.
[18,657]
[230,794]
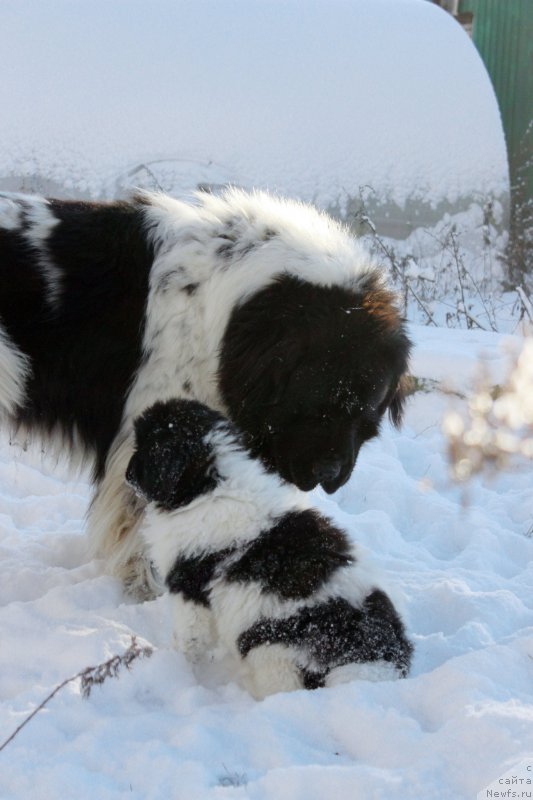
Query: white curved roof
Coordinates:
[312,99]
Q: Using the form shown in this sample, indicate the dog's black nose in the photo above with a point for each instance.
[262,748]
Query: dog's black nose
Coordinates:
[326,470]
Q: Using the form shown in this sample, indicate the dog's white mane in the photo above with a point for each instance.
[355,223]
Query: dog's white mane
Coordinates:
[269,236]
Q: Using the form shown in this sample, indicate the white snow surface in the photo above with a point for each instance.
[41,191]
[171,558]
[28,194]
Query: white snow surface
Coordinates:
[464,577]
[310,99]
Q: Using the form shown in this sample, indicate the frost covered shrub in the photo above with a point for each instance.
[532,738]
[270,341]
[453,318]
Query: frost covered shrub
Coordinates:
[519,254]
[499,424]
[451,274]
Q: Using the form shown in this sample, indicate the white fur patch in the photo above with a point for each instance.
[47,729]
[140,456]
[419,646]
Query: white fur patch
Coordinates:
[194,632]
[14,371]
[10,212]
[270,669]
[41,223]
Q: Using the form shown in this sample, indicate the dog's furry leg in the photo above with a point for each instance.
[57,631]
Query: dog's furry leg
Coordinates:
[270,669]
[113,527]
[193,628]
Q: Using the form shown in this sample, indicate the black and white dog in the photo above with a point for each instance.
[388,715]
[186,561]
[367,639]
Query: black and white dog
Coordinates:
[251,565]
[262,308]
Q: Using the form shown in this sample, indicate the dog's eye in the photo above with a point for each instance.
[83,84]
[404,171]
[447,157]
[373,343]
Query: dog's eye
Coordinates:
[213,474]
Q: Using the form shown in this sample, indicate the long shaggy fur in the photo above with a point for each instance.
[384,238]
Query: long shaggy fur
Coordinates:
[251,565]
[259,307]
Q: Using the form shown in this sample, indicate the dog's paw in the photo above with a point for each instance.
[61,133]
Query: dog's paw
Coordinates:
[379,670]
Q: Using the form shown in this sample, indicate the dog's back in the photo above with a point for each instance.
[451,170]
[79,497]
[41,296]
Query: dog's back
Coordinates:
[73,285]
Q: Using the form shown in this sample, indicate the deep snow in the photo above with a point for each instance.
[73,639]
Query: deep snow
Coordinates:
[464,576]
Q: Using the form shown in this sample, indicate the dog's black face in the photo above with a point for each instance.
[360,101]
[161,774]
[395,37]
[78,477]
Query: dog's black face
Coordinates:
[308,372]
[172,464]
[314,434]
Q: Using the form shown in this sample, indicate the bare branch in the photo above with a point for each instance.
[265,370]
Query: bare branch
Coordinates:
[90,676]
[526,302]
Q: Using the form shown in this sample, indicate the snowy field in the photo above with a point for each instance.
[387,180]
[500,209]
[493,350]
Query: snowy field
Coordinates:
[382,93]
[464,576]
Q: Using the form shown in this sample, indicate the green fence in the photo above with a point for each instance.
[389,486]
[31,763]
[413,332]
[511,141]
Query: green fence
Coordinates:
[503,33]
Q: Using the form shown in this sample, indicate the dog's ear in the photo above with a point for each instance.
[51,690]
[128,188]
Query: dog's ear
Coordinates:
[397,401]
[155,473]
[172,464]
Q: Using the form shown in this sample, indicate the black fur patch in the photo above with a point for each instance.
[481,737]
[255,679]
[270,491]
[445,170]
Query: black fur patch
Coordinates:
[246,248]
[335,633]
[295,557]
[85,350]
[172,464]
[166,280]
[312,680]
[226,250]
[232,246]
[192,576]
[307,372]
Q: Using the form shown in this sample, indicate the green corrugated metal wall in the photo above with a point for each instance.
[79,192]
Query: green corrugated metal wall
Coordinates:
[503,34]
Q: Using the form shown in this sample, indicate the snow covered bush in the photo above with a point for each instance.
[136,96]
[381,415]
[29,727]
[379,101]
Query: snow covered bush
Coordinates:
[451,274]
[499,424]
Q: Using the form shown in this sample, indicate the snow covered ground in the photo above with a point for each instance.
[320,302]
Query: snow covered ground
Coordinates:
[160,731]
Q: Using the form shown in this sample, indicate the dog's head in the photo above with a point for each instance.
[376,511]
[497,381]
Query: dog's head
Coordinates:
[308,372]
[172,463]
